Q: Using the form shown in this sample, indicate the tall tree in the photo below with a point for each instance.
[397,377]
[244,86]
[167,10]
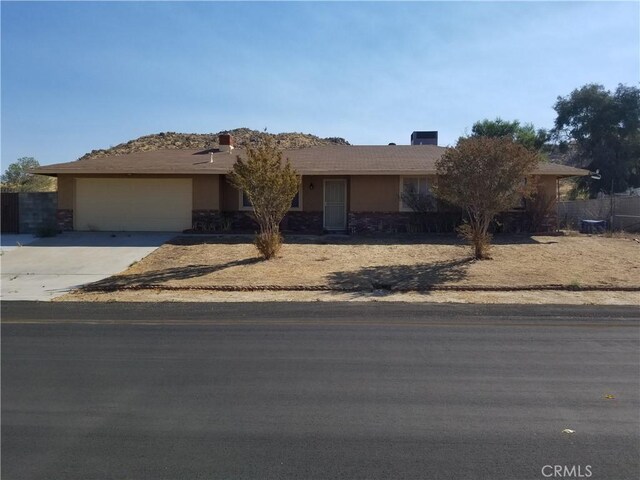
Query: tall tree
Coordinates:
[17,178]
[525,134]
[270,186]
[604,129]
[484,176]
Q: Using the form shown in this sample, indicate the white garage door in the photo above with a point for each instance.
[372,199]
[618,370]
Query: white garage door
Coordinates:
[133,204]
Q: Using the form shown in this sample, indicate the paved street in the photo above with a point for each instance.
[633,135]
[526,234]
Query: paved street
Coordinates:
[297,391]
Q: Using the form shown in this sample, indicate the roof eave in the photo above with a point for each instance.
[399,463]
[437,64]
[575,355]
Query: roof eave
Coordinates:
[55,173]
[579,172]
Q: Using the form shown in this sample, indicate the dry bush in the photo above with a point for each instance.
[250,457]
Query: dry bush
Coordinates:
[419,202]
[268,243]
[270,187]
[539,207]
[484,176]
[479,240]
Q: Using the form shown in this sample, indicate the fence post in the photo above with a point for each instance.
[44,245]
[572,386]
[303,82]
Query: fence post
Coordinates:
[611,208]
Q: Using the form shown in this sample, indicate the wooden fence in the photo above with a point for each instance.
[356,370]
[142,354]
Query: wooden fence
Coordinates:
[10,212]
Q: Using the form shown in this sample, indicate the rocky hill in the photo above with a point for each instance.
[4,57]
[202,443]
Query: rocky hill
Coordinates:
[242,137]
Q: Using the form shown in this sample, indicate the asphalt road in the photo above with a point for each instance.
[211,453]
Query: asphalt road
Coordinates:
[301,391]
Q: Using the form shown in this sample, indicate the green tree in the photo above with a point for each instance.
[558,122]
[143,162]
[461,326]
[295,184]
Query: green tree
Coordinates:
[484,176]
[525,134]
[270,187]
[603,128]
[17,178]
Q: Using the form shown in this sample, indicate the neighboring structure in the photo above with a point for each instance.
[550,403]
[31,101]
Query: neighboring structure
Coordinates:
[28,212]
[620,212]
[343,188]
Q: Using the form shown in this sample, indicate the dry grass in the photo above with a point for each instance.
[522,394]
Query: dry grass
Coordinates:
[387,264]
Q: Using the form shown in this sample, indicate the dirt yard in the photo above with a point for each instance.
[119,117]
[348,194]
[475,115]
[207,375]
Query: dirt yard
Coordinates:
[380,265]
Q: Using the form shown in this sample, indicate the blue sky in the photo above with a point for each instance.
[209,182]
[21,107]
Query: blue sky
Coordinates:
[79,76]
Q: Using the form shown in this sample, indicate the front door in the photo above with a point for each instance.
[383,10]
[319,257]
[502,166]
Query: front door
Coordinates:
[335,205]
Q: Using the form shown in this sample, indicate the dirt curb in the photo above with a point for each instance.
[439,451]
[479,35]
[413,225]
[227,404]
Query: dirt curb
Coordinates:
[521,297]
[327,288]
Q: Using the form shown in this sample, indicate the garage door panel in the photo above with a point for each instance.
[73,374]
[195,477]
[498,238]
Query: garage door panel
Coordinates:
[123,204]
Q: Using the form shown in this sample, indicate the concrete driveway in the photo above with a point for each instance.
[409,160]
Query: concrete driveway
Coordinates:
[11,241]
[49,267]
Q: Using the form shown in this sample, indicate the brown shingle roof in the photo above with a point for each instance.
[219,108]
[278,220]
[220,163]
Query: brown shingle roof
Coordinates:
[325,160]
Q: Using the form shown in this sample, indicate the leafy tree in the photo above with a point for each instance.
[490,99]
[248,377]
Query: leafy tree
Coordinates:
[525,134]
[270,187]
[17,178]
[484,176]
[603,127]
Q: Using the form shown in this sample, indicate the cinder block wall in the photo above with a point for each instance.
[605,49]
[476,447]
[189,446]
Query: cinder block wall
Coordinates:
[37,209]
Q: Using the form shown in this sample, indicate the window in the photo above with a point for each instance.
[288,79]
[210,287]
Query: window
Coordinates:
[295,203]
[245,203]
[415,188]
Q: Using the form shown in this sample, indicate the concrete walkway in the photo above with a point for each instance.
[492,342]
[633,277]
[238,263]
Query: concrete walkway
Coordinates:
[49,267]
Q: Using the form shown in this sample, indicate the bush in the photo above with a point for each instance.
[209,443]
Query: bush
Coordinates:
[46,231]
[479,240]
[270,186]
[539,208]
[268,244]
[483,177]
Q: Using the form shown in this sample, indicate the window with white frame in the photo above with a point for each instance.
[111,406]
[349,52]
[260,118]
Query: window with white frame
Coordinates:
[245,203]
[415,194]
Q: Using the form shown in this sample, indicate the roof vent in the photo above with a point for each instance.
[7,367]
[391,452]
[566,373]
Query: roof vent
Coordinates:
[424,138]
[226,142]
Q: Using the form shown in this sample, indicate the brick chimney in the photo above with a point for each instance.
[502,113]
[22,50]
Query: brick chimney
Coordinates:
[226,142]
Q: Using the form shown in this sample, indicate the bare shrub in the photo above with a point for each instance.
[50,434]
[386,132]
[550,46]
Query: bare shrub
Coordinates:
[418,202]
[268,243]
[421,206]
[539,208]
[484,176]
[480,241]
[270,187]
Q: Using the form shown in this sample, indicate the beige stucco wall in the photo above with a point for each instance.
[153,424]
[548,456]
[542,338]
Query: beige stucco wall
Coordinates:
[229,196]
[547,185]
[365,193]
[206,189]
[312,198]
[375,193]
[206,192]
[66,192]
